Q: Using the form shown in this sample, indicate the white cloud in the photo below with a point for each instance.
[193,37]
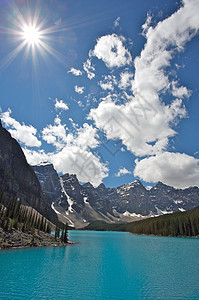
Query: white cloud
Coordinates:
[55,134]
[35,157]
[83,163]
[146,25]
[86,137]
[180,91]
[89,69]
[79,89]
[108,82]
[73,152]
[60,105]
[126,79]
[116,22]
[175,169]
[122,171]
[144,129]
[111,50]
[106,85]
[58,135]
[145,123]
[75,72]
[23,133]
[72,159]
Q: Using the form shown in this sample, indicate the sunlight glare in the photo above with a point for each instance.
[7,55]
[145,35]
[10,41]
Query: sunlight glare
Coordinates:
[31,35]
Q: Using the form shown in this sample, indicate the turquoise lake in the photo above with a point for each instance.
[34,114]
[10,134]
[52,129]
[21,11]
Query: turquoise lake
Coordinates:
[103,265]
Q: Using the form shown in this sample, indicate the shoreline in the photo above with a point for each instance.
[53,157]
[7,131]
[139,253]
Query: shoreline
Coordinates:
[143,234]
[15,239]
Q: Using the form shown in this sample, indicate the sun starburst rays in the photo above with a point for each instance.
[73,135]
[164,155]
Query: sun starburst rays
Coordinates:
[31,35]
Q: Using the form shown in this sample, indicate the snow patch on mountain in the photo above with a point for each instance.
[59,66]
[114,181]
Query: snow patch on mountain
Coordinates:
[181,209]
[162,212]
[70,201]
[178,201]
[56,211]
[85,200]
[128,214]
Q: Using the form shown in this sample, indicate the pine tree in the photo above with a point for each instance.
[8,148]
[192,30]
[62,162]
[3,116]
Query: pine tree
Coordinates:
[66,233]
[6,224]
[15,223]
[17,210]
[48,230]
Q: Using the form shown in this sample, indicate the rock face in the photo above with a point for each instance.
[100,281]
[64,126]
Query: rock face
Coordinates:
[49,181]
[79,204]
[17,178]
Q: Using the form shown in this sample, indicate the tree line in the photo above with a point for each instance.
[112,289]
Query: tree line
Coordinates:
[175,224]
[15,215]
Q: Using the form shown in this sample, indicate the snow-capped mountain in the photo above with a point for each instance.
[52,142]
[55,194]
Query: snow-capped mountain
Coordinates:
[79,204]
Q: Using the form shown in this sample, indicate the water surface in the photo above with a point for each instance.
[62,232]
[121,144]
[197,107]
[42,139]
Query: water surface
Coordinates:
[103,265]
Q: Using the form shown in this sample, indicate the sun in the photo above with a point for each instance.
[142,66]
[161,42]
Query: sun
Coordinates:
[31,35]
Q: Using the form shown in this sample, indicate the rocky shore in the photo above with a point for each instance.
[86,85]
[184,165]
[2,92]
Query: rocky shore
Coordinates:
[18,239]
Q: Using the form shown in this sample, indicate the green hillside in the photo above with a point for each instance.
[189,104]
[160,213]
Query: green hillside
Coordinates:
[176,224]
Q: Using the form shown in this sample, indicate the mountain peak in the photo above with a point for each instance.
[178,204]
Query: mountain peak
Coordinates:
[88,185]
[133,183]
[46,166]
[101,186]
[160,185]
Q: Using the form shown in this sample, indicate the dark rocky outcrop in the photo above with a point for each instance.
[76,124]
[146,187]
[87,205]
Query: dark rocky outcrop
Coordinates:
[18,239]
[17,179]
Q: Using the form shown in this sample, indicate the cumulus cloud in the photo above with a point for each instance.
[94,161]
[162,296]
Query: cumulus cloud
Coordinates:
[36,157]
[145,123]
[126,79]
[86,137]
[23,133]
[79,89]
[55,134]
[111,49]
[89,69]
[122,172]
[72,159]
[180,91]
[144,129]
[59,104]
[108,82]
[175,169]
[73,151]
[75,72]
[83,163]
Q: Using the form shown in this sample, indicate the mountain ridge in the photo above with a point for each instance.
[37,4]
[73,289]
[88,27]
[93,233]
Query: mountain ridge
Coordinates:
[127,202]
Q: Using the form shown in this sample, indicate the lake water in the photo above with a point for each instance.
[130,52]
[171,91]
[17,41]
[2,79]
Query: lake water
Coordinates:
[103,265]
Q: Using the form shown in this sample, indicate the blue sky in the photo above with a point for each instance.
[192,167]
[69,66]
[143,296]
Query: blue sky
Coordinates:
[104,89]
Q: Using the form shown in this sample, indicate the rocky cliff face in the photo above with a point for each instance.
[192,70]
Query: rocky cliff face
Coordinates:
[17,178]
[79,204]
[49,181]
